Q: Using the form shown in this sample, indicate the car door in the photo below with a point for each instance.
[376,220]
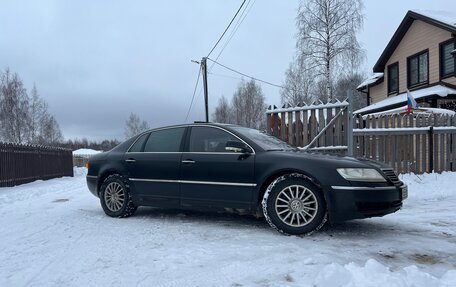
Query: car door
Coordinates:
[212,176]
[153,163]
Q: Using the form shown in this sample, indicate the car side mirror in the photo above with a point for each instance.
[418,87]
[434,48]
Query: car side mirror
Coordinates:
[237,146]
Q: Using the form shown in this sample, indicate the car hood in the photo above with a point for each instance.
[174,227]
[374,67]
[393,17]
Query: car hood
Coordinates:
[334,160]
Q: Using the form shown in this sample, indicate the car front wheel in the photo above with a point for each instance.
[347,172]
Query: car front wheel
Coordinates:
[115,197]
[293,205]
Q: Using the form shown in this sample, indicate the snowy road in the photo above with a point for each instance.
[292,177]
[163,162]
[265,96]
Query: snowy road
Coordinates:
[54,233]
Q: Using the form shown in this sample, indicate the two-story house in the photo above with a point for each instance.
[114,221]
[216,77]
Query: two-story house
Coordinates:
[420,57]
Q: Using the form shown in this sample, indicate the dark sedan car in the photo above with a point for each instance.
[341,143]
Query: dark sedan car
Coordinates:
[216,167]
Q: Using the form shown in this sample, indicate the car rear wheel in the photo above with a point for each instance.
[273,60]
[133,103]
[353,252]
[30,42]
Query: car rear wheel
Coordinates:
[293,205]
[115,197]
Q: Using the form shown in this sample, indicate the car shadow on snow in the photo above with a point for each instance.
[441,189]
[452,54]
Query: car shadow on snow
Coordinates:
[366,228]
[224,219]
[369,228]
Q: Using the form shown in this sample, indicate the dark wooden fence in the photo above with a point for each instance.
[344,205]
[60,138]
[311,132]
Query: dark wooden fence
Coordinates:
[25,163]
[408,143]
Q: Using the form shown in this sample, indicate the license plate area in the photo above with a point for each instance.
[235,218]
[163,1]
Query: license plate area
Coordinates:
[404,192]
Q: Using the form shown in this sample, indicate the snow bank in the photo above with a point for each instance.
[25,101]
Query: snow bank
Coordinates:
[85,151]
[430,185]
[375,274]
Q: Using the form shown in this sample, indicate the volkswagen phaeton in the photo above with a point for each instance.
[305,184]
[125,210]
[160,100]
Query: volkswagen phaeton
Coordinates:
[217,167]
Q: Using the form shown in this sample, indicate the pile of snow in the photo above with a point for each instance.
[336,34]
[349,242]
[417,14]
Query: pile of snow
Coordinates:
[85,152]
[375,274]
[430,186]
[370,80]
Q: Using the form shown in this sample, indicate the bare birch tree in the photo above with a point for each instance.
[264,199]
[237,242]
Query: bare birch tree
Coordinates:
[327,36]
[134,126]
[14,105]
[38,111]
[299,83]
[223,112]
[249,105]
[49,131]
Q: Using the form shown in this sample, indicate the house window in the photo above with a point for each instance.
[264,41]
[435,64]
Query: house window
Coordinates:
[447,60]
[417,68]
[393,78]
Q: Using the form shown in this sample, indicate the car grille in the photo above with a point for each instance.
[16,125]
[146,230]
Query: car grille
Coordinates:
[392,176]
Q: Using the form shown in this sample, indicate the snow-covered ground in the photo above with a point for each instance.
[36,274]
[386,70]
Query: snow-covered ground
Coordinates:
[54,233]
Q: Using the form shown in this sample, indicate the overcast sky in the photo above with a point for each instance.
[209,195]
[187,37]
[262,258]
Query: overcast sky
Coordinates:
[94,62]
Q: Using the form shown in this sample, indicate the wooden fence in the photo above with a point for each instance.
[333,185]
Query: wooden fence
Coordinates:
[299,125]
[408,143]
[25,163]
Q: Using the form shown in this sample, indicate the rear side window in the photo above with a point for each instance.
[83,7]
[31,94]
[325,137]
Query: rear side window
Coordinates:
[168,140]
[137,146]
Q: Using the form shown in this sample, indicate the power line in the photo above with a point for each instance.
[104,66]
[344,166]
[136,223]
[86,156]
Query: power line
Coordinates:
[241,19]
[224,76]
[247,76]
[254,78]
[194,92]
[234,17]
[236,27]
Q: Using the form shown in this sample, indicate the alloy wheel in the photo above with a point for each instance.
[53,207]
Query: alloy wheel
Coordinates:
[296,205]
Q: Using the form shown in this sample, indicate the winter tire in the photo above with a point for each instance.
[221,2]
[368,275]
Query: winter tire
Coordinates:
[295,206]
[115,197]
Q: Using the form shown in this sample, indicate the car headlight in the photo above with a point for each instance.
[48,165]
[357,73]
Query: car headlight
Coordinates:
[361,174]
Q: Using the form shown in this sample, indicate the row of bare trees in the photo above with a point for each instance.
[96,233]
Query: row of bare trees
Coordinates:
[246,108]
[24,117]
[328,54]
[75,144]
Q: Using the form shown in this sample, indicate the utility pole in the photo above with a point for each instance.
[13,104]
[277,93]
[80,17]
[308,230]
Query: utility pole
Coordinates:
[350,123]
[206,95]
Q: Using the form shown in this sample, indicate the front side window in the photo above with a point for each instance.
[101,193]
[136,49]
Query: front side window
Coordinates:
[265,141]
[447,60]
[208,139]
[167,140]
[418,69]
[393,78]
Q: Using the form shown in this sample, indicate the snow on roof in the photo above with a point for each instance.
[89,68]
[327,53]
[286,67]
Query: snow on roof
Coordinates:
[416,111]
[372,79]
[439,90]
[86,151]
[445,17]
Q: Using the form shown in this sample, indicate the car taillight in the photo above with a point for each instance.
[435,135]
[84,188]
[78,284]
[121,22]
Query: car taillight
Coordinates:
[87,165]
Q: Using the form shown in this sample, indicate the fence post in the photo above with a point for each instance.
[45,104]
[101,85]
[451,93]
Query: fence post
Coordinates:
[350,124]
[431,149]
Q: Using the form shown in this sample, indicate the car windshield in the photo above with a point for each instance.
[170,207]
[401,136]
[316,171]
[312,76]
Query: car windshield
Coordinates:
[265,141]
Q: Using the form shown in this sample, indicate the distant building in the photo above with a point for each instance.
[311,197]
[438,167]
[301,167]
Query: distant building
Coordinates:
[420,57]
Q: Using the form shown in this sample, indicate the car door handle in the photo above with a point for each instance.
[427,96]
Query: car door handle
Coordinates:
[130,160]
[188,161]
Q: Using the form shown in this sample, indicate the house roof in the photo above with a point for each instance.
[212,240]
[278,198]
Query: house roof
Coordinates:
[439,90]
[370,81]
[441,19]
